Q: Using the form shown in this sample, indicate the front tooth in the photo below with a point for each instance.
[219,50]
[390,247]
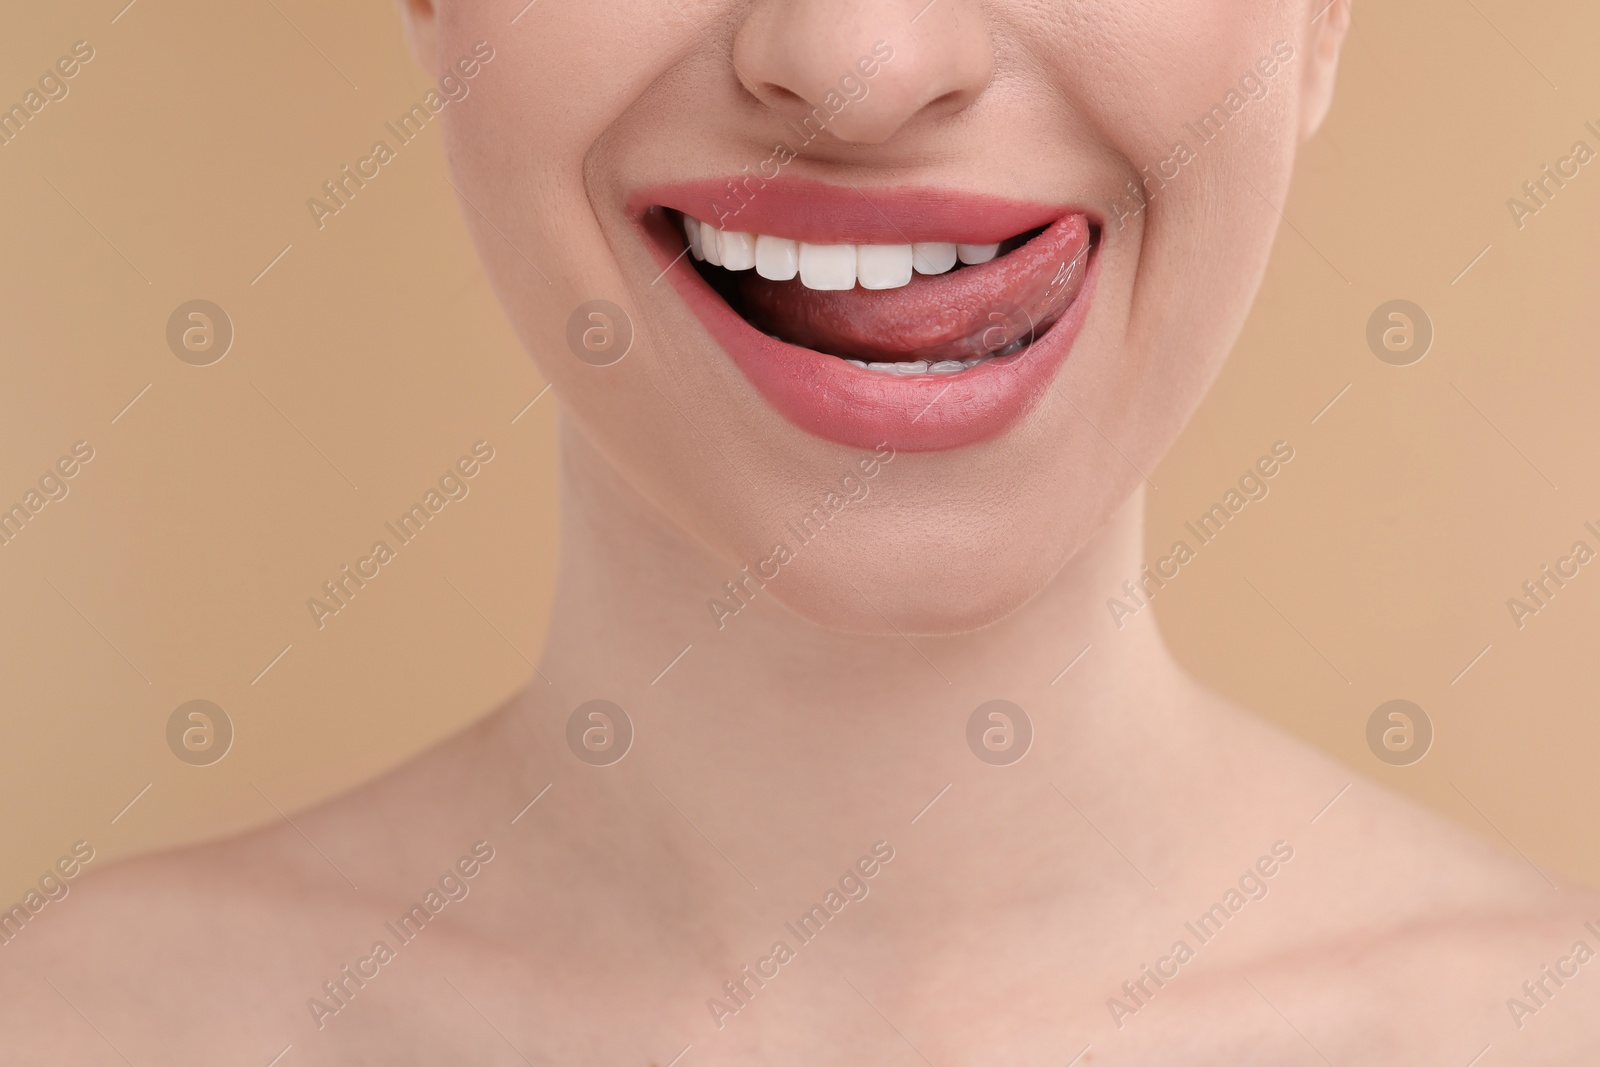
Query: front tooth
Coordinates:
[884,368]
[883,266]
[691,229]
[777,258]
[973,254]
[933,257]
[907,369]
[709,244]
[738,250]
[947,366]
[827,266]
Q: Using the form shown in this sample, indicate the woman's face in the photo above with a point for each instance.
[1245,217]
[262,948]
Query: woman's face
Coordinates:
[1128,157]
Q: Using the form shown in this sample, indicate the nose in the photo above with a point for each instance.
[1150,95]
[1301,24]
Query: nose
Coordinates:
[871,66]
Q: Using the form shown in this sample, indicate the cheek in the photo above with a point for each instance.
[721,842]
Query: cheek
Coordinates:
[539,220]
[1162,300]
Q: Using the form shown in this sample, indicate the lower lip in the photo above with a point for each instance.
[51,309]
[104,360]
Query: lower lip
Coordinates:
[824,395]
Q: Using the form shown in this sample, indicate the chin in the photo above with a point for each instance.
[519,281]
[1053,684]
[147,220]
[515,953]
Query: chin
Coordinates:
[828,597]
[888,577]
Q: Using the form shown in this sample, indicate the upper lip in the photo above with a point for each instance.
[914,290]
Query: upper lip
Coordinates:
[819,213]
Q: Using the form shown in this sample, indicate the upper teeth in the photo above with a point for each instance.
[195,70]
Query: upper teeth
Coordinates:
[828,266]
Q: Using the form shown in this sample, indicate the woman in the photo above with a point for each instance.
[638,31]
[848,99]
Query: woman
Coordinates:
[865,320]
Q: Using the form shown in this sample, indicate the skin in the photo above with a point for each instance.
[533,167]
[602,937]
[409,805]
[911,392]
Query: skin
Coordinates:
[826,715]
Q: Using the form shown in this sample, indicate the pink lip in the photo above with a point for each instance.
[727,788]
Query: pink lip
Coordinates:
[825,395]
[805,210]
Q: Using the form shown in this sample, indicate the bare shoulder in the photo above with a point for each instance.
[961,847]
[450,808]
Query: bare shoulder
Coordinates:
[1440,945]
[190,934]
[1393,935]
[1375,849]
[1464,990]
[234,950]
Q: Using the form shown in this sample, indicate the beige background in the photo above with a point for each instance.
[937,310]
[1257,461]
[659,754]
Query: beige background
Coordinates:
[372,354]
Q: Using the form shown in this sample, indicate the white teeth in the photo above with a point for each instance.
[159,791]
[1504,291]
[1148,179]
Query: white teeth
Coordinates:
[777,258]
[738,250]
[709,244]
[883,266]
[828,267]
[933,257]
[921,367]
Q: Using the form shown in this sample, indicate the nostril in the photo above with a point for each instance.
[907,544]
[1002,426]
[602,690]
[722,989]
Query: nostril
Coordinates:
[779,96]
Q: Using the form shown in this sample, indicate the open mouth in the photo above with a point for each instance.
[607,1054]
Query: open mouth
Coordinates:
[910,309]
[922,318]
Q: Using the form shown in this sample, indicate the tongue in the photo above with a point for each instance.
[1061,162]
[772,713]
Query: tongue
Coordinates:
[962,314]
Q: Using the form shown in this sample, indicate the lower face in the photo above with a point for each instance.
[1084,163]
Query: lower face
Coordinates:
[1021,301]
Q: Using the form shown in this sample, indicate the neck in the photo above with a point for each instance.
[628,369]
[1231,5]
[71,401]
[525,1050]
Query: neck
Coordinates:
[635,589]
[773,729]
